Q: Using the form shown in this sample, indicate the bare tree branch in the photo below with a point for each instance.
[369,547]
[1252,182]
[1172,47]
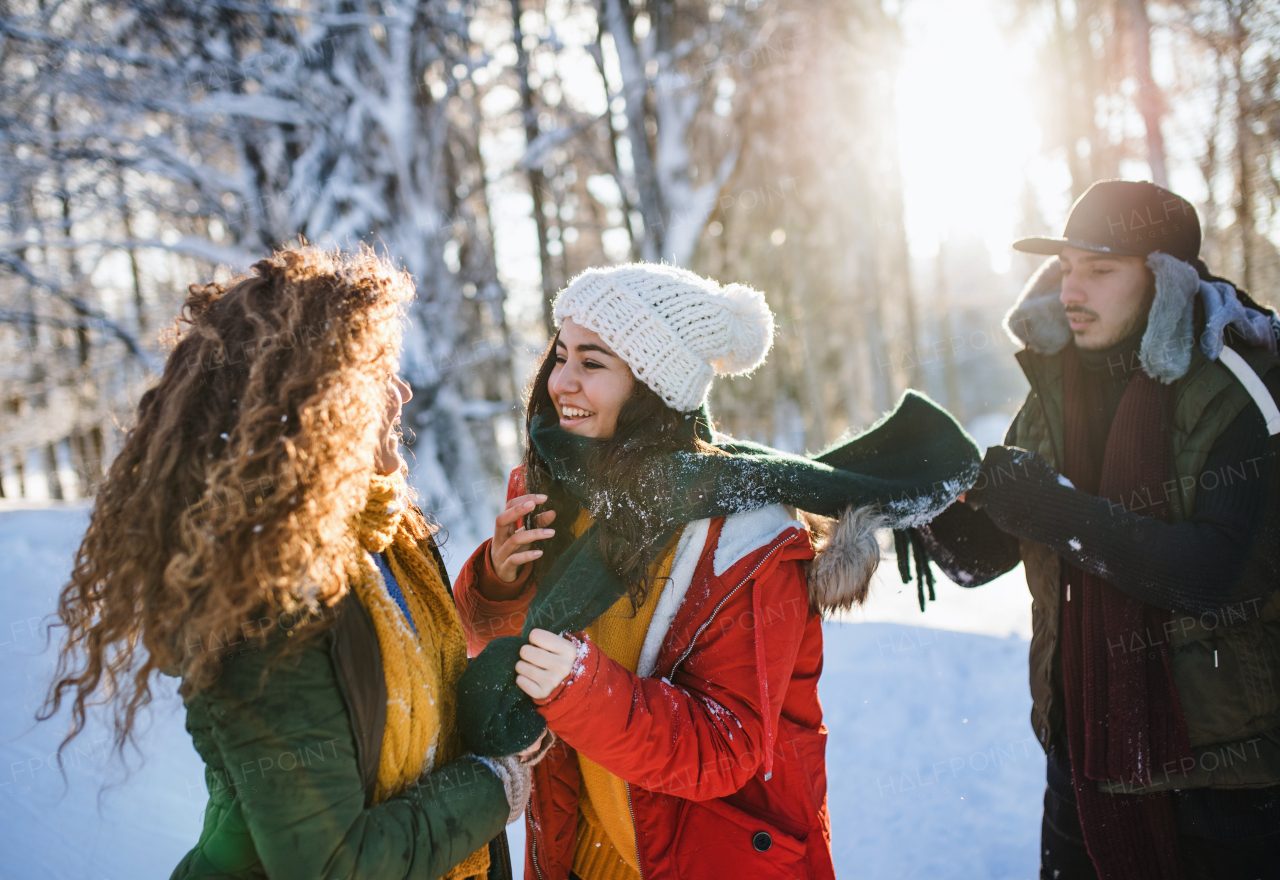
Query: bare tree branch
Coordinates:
[90,314]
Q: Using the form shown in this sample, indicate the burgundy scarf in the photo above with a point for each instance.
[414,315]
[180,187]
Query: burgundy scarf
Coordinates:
[1124,718]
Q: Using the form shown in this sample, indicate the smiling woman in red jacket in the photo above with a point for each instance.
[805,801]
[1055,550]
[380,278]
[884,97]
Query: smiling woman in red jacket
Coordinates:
[690,737]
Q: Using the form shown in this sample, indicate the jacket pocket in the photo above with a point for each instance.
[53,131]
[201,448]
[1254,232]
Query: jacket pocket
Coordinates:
[1227,682]
[716,839]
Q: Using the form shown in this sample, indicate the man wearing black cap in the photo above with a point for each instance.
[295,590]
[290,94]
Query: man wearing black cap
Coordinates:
[1140,489]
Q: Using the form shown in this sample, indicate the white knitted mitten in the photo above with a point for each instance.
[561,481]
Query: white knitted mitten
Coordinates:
[517,782]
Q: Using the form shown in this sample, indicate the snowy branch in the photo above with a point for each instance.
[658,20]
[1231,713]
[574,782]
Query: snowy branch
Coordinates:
[86,311]
[187,245]
[536,153]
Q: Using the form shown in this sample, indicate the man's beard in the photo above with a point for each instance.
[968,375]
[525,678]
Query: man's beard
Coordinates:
[1130,326]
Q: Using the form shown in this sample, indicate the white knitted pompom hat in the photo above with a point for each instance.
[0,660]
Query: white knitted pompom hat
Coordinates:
[674,329]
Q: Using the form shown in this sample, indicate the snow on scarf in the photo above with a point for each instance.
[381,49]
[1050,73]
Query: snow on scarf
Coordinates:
[911,465]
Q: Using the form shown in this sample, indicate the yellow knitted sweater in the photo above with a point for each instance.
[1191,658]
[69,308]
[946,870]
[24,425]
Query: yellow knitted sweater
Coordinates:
[422,670]
[605,847]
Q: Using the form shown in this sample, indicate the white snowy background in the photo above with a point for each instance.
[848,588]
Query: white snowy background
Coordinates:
[932,767]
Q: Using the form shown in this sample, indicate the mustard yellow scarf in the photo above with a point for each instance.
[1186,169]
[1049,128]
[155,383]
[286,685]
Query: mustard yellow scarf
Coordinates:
[422,670]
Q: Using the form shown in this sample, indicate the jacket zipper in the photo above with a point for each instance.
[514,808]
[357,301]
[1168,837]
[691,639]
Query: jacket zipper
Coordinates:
[632,810]
[688,650]
[533,840]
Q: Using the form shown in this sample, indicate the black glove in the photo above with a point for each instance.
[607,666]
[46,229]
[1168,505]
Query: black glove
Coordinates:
[1007,474]
[1007,486]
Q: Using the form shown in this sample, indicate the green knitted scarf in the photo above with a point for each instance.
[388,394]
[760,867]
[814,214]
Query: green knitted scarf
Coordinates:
[911,465]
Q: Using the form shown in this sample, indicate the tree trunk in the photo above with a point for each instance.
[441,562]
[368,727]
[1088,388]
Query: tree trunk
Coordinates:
[1245,221]
[537,180]
[950,377]
[635,86]
[1150,99]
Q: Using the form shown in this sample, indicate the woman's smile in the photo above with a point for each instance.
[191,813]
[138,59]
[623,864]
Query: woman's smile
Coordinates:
[573,415]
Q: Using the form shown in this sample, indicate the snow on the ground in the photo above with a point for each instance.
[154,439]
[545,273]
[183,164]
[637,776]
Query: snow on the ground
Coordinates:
[932,768]
[100,823]
[1000,608]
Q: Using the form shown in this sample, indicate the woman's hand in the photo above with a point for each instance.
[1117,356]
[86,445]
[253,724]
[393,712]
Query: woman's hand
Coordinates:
[507,550]
[545,662]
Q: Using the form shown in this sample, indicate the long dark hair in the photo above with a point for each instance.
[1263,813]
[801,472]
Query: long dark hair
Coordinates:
[628,491]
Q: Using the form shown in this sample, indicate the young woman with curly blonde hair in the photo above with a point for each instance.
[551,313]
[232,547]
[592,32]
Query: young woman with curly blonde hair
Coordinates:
[255,538]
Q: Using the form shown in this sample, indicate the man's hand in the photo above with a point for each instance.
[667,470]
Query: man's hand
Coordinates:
[1004,469]
[545,662]
[507,550]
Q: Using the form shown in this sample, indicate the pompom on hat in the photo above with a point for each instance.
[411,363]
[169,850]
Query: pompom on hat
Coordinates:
[676,330]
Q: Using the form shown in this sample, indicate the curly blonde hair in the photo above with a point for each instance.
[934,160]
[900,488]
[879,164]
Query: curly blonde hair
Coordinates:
[232,499]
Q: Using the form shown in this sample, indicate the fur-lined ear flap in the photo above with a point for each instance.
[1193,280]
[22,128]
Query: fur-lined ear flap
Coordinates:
[1038,319]
[1166,345]
[847,556]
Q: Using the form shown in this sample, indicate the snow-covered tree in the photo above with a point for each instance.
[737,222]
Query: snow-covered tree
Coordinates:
[217,131]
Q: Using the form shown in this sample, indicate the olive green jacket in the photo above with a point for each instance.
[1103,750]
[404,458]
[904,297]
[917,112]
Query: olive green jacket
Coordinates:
[1228,677]
[291,750]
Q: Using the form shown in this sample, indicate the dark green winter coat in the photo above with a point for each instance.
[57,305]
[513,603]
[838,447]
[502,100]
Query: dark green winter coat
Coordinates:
[1227,676]
[291,758]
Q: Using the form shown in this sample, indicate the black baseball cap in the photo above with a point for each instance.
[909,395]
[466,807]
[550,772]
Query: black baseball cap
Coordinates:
[1129,218]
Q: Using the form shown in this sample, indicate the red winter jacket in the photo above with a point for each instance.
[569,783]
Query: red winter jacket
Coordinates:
[722,744]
